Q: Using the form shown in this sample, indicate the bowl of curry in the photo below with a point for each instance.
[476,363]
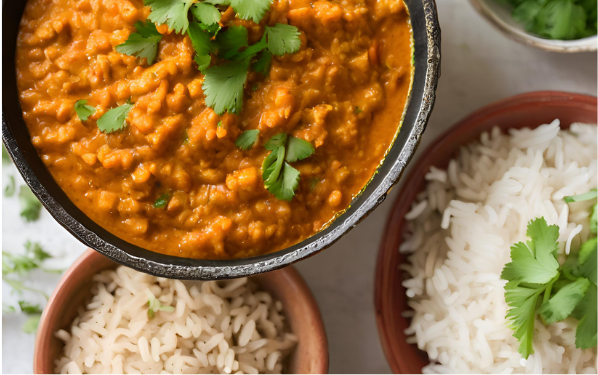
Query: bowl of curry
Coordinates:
[215,139]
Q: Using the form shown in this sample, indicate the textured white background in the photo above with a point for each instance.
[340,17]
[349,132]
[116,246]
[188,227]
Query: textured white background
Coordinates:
[479,66]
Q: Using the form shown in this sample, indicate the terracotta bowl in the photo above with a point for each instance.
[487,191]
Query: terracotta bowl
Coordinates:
[531,109]
[309,357]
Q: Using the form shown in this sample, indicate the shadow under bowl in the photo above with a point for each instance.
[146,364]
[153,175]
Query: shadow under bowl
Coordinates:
[426,65]
[310,356]
[526,110]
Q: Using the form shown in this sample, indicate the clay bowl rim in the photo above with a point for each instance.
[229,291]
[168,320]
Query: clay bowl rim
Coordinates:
[426,71]
[310,322]
[407,358]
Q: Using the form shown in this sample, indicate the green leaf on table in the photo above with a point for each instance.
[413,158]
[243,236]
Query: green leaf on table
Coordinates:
[30,205]
[11,188]
[31,324]
[29,308]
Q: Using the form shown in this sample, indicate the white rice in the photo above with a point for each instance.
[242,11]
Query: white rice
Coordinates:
[459,233]
[214,327]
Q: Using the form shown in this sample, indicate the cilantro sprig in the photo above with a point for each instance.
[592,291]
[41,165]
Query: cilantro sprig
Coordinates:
[83,110]
[143,43]
[279,177]
[30,205]
[14,270]
[224,83]
[556,19]
[538,285]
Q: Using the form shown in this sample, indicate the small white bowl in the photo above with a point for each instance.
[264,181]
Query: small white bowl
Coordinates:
[499,15]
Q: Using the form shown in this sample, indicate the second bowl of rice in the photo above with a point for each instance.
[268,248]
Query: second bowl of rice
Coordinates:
[439,295]
[105,318]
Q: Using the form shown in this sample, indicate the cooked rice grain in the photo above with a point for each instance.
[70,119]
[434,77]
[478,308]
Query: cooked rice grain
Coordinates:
[460,230]
[215,327]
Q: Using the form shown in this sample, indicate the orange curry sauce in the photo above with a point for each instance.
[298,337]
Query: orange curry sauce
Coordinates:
[344,91]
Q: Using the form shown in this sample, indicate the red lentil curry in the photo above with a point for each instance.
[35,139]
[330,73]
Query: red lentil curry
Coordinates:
[170,178]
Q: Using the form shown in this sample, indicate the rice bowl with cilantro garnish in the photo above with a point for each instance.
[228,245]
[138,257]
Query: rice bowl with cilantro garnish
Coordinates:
[528,194]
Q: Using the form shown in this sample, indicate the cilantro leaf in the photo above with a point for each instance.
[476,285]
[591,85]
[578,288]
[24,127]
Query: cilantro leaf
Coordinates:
[588,259]
[202,44]
[247,139]
[251,9]
[298,149]
[35,250]
[534,262]
[279,140]
[272,166]
[114,119]
[20,264]
[284,188]
[30,206]
[206,13]
[154,306]
[162,201]
[586,332]
[11,187]
[223,87]
[283,39]
[31,324]
[561,305]
[560,19]
[231,40]
[592,194]
[142,44]
[262,64]
[522,299]
[29,308]
[83,110]
[173,13]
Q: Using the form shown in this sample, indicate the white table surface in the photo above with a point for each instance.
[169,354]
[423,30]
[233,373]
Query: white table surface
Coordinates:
[479,66]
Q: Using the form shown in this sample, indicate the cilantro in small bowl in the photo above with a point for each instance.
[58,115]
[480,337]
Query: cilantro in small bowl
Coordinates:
[553,25]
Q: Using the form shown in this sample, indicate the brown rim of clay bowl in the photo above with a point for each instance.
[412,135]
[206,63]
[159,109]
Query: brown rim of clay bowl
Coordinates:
[530,109]
[309,357]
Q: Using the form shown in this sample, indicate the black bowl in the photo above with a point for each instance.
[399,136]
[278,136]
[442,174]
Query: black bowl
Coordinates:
[426,35]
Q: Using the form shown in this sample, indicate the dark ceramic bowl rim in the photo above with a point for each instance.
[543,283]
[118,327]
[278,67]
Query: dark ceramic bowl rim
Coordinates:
[426,58]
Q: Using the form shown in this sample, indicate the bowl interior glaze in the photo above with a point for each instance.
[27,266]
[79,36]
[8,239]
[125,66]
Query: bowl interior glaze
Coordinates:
[526,110]
[426,36]
[310,356]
